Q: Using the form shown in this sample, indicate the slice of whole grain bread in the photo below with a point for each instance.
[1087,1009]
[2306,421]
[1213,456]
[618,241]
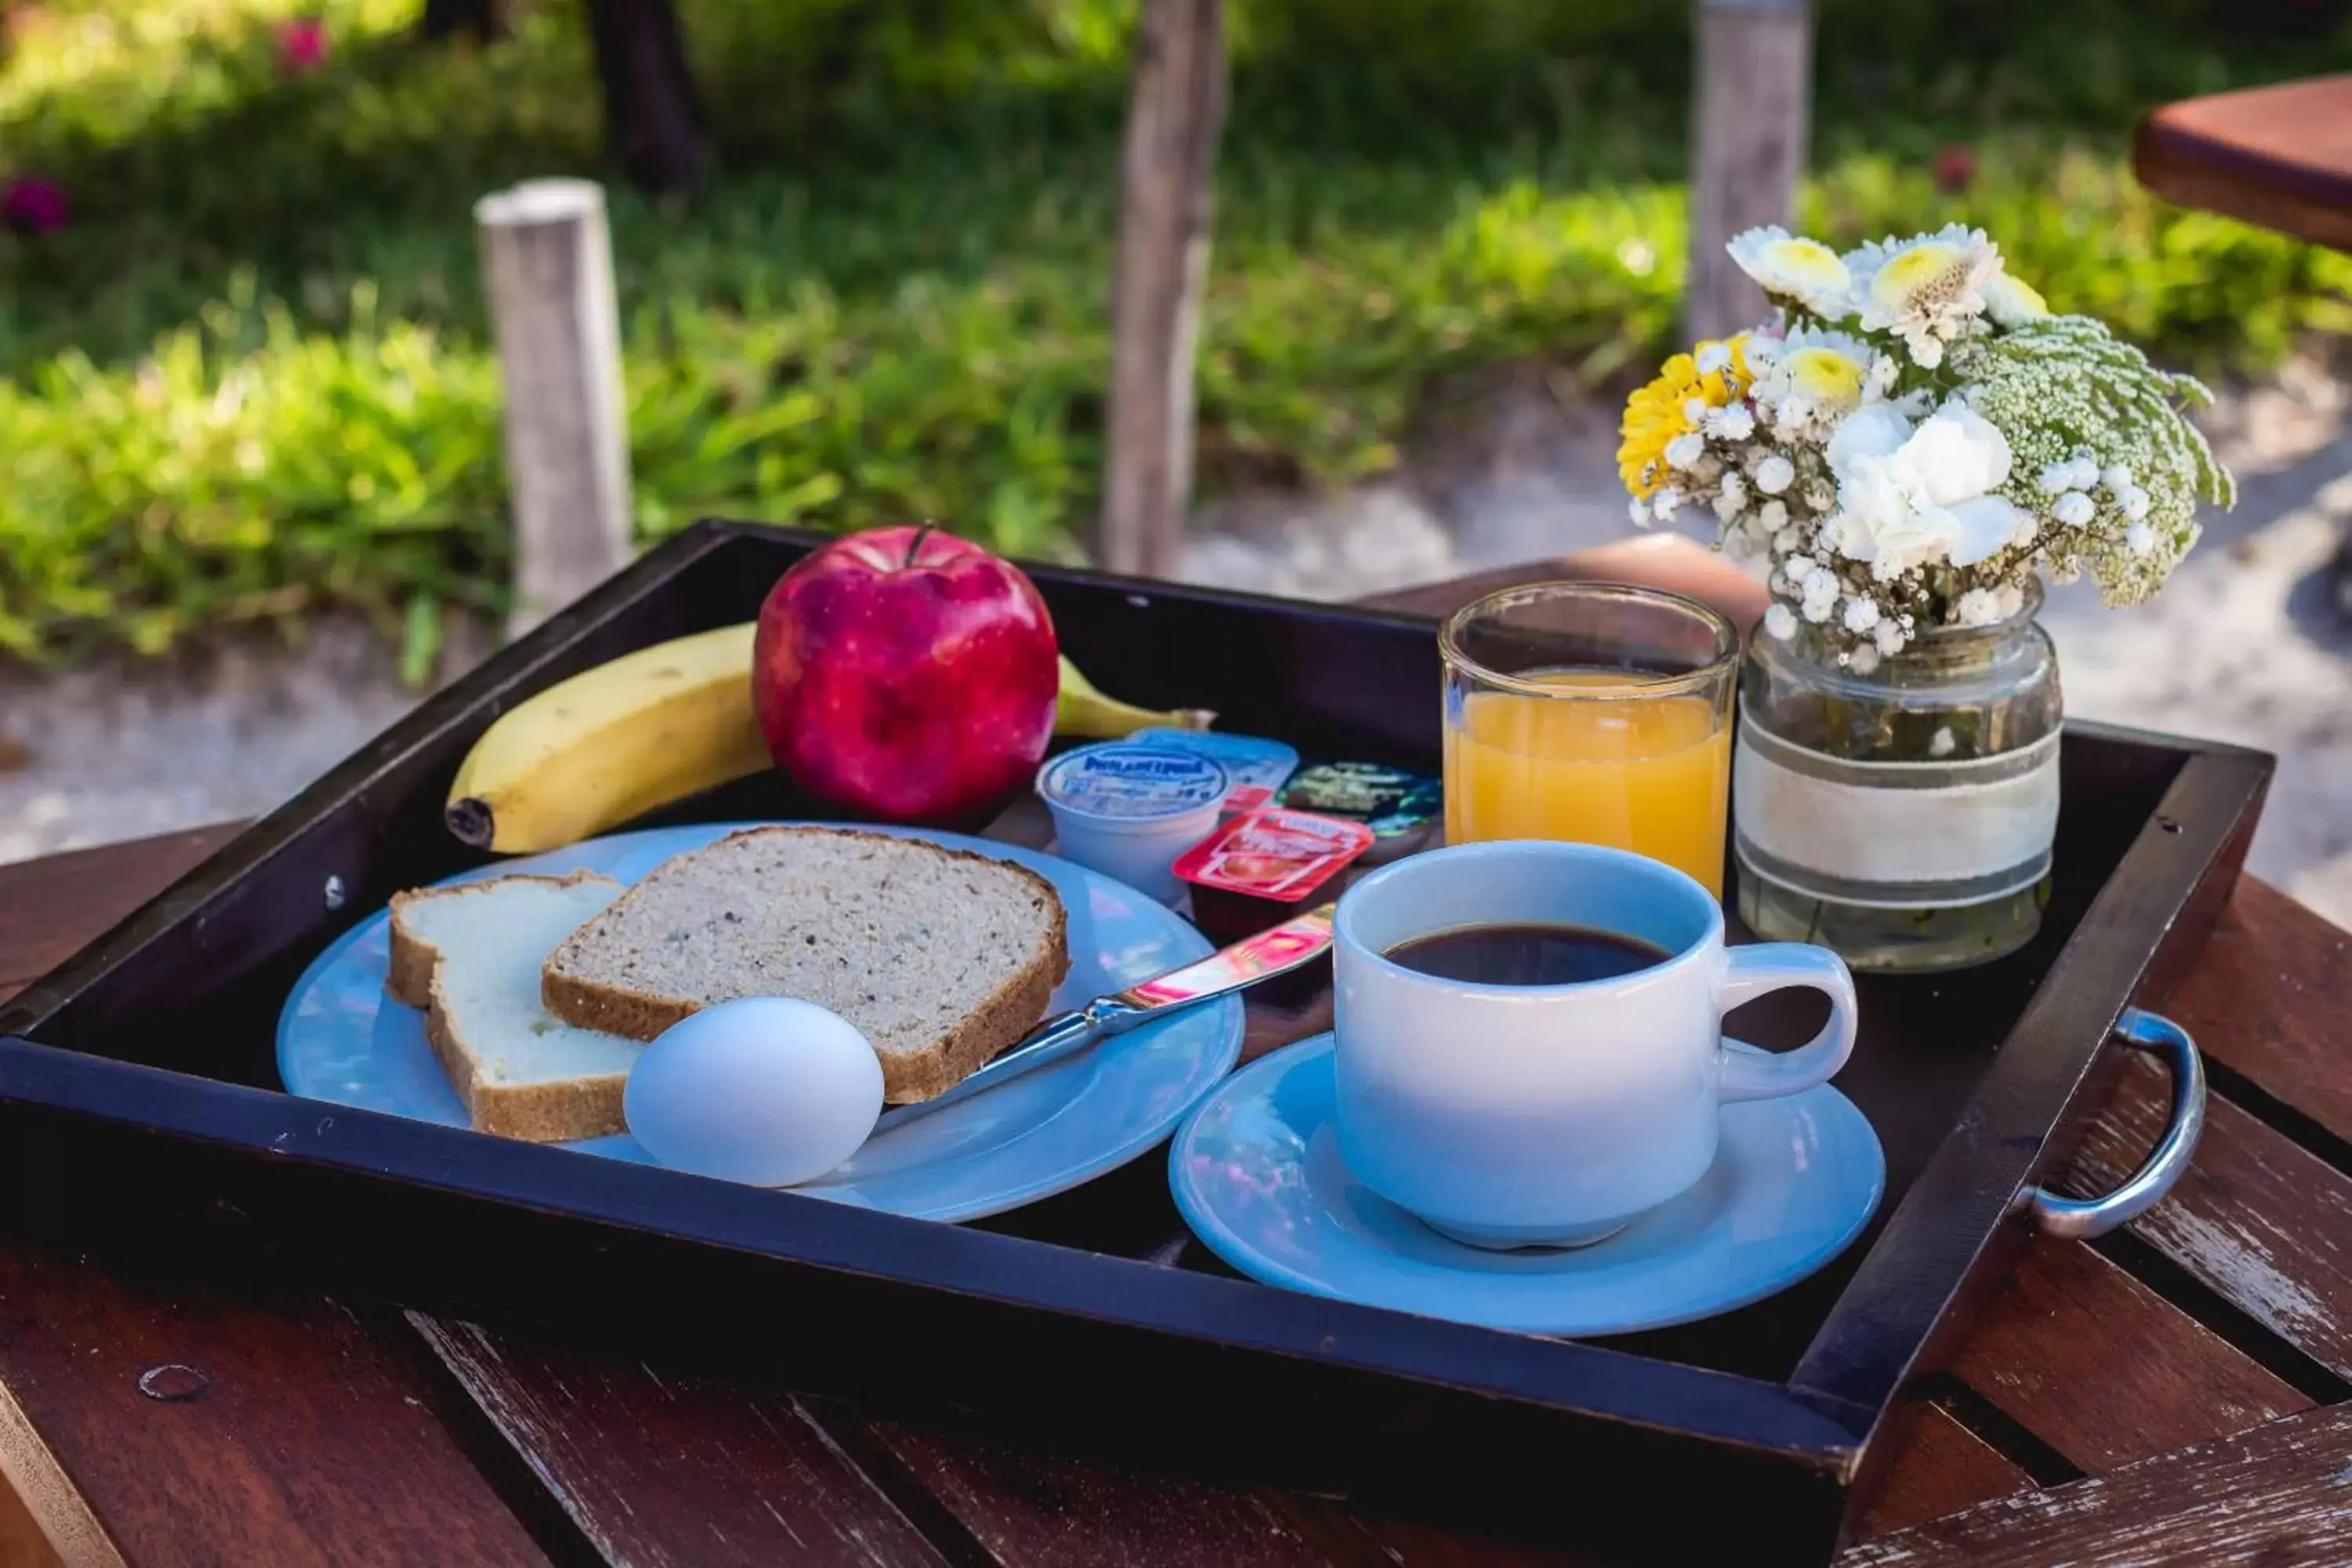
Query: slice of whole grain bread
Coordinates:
[940,957]
[470,957]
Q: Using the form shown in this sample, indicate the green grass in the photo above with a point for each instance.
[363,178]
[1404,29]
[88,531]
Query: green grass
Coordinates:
[251,378]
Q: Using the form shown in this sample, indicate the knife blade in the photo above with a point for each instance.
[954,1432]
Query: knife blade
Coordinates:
[1276,951]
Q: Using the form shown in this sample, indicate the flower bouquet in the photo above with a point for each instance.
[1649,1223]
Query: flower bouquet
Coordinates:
[1913,443]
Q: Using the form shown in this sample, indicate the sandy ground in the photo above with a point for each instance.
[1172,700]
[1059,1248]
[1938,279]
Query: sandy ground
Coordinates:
[2243,645]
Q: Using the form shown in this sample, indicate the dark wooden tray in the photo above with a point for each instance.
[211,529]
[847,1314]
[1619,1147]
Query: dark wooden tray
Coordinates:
[142,1096]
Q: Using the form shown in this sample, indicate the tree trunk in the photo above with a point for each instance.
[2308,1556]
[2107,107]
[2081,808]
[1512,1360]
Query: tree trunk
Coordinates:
[653,123]
[1173,121]
[1752,104]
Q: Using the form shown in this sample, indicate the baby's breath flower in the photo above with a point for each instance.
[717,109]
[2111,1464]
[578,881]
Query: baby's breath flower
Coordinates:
[2057,478]
[1639,510]
[1941,743]
[1774,515]
[2073,509]
[1667,501]
[1862,658]
[2117,477]
[2135,503]
[1785,539]
[2140,538]
[1712,357]
[1774,474]
[1861,615]
[1779,623]
[1977,607]
[1889,637]
[1686,449]
[1732,424]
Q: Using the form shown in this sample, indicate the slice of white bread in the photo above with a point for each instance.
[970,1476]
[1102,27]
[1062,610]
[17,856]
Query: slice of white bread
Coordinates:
[940,957]
[470,957]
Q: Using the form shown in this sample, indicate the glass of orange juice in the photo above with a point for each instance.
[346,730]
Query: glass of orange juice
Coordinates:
[1594,712]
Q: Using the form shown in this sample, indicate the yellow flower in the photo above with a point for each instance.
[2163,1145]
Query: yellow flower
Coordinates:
[1656,413]
[2011,302]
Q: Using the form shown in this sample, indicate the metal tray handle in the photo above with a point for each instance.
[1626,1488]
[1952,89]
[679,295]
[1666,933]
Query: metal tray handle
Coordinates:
[2082,1218]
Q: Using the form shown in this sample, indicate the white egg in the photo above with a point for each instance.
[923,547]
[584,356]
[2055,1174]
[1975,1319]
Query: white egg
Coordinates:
[761,1090]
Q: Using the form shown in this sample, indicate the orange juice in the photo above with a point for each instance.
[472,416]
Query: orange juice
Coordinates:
[1647,774]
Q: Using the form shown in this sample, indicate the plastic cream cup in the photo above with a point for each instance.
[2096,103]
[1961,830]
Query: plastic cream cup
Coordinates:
[1129,810]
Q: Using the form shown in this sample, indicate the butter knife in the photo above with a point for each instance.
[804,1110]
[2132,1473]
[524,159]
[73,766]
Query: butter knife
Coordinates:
[1276,951]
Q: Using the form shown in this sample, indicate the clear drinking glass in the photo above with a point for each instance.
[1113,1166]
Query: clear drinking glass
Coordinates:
[1596,713]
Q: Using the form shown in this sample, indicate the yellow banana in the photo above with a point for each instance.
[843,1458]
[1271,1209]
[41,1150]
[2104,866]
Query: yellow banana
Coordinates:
[655,726]
[1080,709]
[610,743]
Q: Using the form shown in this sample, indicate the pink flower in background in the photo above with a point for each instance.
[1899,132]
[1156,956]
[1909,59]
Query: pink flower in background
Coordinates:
[302,45]
[32,207]
[1956,168]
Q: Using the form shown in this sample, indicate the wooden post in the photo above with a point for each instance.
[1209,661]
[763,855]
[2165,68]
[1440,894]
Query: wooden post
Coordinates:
[1173,120]
[1753,91]
[548,260]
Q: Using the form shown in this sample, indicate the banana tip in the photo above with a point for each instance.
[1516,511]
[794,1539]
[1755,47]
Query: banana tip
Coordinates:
[1195,719]
[469,820]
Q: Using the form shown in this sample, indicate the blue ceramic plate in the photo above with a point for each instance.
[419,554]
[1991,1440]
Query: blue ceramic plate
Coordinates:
[341,1039]
[1257,1174]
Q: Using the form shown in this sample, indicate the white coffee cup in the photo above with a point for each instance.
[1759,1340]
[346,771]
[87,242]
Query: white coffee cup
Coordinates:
[1552,1115]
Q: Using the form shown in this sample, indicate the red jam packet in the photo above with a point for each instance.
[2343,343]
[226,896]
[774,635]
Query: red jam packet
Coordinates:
[1274,853]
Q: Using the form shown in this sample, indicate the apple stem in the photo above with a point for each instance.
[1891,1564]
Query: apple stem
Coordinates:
[915,545]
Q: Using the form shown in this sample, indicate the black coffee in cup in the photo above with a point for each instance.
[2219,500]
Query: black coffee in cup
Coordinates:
[1525,953]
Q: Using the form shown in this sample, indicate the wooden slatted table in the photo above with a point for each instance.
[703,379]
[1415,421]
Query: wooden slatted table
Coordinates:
[2174,1393]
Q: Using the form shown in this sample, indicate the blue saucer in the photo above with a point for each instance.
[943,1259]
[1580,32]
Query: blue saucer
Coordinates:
[1257,1175]
[341,1039]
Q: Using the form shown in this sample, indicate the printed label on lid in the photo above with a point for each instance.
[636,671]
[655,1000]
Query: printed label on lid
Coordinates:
[1275,854]
[1132,781]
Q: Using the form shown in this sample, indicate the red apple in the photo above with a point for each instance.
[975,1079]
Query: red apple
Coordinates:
[905,673]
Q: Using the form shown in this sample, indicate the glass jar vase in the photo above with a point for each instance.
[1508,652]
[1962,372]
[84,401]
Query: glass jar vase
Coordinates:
[1904,818]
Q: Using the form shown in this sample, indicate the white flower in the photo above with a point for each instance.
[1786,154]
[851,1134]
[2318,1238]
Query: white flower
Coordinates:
[2026,529]
[2073,509]
[1941,744]
[1790,269]
[1686,449]
[1864,660]
[1735,489]
[1927,289]
[1797,568]
[1779,623]
[1639,509]
[1815,373]
[1885,372]
[1821,595]
[2135,503]
[2117,478]
[1977,607]
[1861,615]
[1731,424]
[1889,638]
[2140,537]
[2086,472]
[1773,514]
[1774,474]
[1919,497]
[1694,410]
[1664,502]
[2012,302]
[1712,357]
[2057,478]
[1785,539]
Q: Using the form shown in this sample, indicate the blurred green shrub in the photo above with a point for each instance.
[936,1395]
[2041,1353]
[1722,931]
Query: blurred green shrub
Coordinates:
[251,378]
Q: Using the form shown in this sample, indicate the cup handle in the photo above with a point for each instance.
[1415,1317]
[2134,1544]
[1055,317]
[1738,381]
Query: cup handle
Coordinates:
[1755,970]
